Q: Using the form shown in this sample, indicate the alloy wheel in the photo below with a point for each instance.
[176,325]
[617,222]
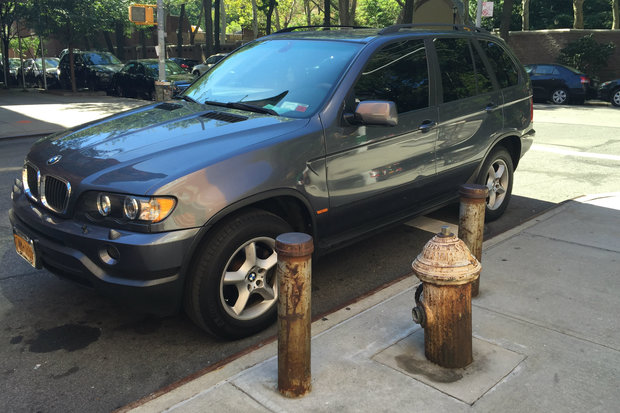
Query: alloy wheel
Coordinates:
[249,286]
[497,181]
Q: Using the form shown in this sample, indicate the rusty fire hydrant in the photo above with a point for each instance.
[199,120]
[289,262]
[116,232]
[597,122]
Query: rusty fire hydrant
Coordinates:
[443,301]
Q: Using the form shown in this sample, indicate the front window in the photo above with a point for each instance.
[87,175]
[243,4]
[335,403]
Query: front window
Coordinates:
[291,77]
[101,59]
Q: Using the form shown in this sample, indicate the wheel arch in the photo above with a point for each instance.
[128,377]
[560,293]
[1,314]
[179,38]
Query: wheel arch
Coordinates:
[287,204]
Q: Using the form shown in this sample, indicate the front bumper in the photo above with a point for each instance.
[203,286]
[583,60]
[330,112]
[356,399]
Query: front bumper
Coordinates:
[144,270]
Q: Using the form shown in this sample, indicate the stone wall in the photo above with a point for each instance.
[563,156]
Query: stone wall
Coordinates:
[543,46]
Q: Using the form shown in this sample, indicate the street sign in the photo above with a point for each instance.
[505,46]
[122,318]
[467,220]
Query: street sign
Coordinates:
[143,14]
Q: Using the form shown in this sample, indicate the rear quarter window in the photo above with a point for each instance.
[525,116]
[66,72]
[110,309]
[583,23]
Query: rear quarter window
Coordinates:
[503,66]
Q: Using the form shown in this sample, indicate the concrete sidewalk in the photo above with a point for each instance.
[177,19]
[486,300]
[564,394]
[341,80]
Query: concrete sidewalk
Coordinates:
[32,112]
[546,336]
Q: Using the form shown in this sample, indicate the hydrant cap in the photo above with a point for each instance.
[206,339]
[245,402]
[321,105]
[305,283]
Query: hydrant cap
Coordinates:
[446,260]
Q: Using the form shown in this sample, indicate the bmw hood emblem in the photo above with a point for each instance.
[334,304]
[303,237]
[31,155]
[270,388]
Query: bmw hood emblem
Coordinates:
[54,159]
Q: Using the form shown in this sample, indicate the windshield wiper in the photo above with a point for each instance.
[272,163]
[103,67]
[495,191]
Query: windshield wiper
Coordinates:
[242,106]
[187,99]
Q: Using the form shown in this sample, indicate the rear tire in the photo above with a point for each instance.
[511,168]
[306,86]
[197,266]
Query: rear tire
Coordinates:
[232,289]
[497,175]
[559,96]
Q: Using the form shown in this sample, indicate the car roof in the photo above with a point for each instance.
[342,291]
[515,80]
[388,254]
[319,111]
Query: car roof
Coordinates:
[366,34]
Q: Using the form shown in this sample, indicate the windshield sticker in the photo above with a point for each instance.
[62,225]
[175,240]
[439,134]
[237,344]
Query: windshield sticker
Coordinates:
[294,106]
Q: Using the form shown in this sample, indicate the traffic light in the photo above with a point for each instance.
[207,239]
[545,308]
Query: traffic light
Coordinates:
[143,14]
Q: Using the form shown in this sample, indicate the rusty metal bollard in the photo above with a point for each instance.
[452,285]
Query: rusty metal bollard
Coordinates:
[471,222]
[443,300]
[294,289]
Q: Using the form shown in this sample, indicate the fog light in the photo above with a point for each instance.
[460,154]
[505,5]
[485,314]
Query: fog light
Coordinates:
[109,254]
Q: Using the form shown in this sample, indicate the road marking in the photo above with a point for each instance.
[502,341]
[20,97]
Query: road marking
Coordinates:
[561,151]
[430,224]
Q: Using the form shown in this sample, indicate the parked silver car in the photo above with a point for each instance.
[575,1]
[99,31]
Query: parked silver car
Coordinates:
[208,64]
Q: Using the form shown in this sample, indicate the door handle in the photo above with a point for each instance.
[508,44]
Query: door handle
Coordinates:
[427,125]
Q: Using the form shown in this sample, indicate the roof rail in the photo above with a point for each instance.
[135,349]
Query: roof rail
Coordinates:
[457,27]
[290,29]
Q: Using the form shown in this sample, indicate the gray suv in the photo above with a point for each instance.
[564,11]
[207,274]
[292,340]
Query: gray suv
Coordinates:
[336,133]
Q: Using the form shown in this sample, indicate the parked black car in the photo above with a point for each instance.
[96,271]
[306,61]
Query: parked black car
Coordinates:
[137,78]
[33,72]
[93,70]
[186,64]
[610,91]
[14,65]
[559,84]
[336,133]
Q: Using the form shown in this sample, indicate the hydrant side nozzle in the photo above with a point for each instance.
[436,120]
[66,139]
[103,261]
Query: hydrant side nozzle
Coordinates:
[419,316]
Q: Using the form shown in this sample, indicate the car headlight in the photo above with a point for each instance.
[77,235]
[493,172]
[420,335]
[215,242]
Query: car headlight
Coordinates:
[604,84]
[139,209]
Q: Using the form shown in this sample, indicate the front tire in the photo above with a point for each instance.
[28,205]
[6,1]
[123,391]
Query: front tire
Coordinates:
[232,290]
[559,96]
[497,175]
[615,97]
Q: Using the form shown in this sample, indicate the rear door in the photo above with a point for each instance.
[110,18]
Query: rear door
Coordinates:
[470,115]
[545,79]
[376,174]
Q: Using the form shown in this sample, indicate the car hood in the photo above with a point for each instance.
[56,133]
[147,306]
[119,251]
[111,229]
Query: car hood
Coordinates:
[147,147]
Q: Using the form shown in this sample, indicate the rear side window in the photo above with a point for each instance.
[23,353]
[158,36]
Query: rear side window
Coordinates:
[398,73]
[458,77]
[505,70]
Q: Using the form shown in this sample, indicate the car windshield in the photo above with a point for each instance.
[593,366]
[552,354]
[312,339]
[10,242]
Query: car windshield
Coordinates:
[101,59]
[290,77]
[49,62]
[152,69]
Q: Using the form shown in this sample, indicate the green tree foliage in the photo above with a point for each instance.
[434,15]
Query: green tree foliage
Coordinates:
[377,13]
[587,55]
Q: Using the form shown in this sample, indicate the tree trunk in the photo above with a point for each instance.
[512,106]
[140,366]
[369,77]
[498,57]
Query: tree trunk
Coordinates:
[207,4]
[525,15]
[308,12]
[278,26]
[142,36]
[180,31]
[504,27]
[108,42]
[254,19]
[271,6]
[5,60]
[408,12]
[192,34]
[465,16]
[216,25]
[615,10]
[328,13]
[346,11]
[72,66]
[120,40]
[578,14]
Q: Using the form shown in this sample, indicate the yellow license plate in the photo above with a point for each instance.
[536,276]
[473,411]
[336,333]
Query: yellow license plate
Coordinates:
[25,248]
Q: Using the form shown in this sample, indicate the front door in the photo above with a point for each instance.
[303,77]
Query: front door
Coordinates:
[376,174]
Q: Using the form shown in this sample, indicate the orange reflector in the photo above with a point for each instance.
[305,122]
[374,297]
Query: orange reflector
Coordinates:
[321,211]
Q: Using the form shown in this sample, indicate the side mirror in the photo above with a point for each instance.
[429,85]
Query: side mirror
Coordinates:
[373,112]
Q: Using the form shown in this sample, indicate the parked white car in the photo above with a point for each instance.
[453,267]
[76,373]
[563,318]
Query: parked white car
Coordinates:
[208,64]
